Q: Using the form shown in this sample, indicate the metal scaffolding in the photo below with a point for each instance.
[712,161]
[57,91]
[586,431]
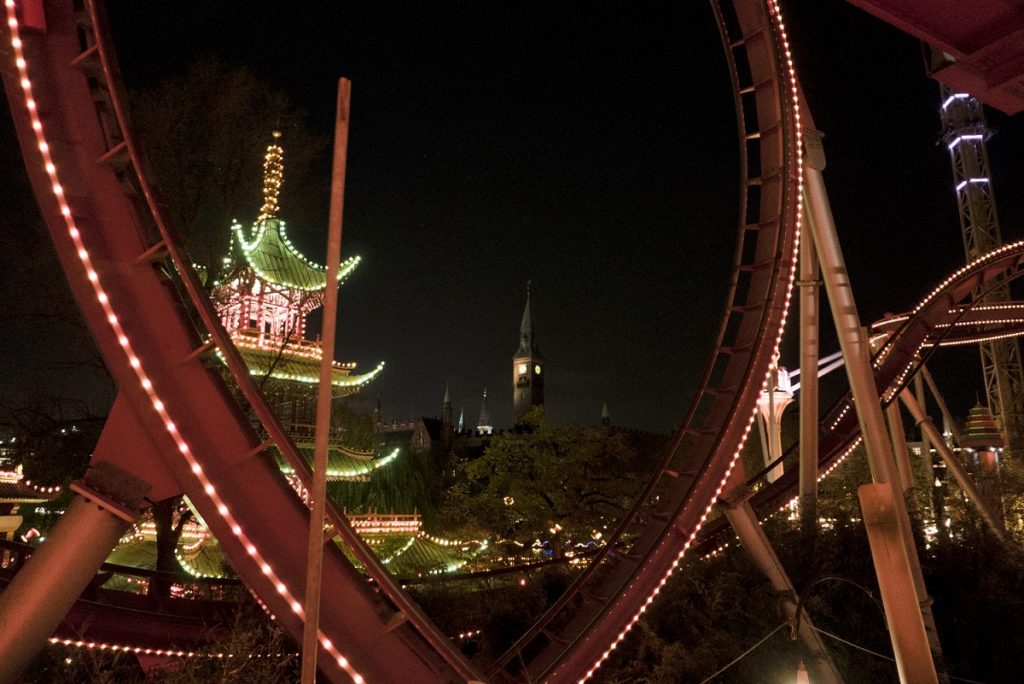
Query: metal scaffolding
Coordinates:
[964,131]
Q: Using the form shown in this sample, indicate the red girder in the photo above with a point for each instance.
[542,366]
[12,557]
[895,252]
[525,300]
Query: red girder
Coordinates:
[984,38]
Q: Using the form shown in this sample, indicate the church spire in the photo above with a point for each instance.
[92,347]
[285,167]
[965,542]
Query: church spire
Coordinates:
[606,419]
[527,366]
[484,424]
[273,176]
[527,345]
[446,416]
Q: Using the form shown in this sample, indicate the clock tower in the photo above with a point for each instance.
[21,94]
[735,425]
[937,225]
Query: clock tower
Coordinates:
[527,367]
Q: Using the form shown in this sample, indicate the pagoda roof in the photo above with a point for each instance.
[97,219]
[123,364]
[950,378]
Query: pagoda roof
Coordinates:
[981,430]
[304,367]
[343,463]
[15,489]
[266,249]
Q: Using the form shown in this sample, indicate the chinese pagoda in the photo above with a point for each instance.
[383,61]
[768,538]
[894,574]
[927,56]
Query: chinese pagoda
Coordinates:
[266,291]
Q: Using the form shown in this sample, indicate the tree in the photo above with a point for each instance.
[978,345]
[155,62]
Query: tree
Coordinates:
[205,133]
[547,485]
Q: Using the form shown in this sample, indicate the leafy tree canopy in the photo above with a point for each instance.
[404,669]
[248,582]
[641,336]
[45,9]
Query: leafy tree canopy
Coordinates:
[205,133]
[557,485]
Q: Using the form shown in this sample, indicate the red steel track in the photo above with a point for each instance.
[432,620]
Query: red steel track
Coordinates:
[579,632]
[913,337]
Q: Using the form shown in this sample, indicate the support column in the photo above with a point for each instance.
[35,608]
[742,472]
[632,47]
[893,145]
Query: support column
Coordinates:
[927,467]
[909,643]
[46,587]
[744,522]
[853,341]
[902,452]
[809,353]
[318,491]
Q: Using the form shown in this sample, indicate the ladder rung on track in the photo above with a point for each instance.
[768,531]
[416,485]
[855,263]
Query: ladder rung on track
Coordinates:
[261,447]
[157,252]
[201,350]
[116,156]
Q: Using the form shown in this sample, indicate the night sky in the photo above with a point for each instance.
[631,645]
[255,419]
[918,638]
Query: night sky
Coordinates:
[590,148]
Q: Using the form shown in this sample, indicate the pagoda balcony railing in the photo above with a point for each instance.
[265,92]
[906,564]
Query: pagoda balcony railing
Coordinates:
[254,338]
[306,432]
[385,523]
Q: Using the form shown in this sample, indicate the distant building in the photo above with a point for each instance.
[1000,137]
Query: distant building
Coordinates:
[527,367]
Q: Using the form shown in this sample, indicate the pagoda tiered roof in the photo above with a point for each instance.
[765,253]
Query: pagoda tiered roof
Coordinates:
[266,249]
[15,489]
[297,360]
[344,464]
[268,287]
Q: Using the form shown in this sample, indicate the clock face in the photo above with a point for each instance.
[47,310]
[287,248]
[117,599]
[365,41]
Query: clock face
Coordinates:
[522,369]
[536,369]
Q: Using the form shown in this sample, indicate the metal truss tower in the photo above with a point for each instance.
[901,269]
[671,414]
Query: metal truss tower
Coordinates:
[965,132]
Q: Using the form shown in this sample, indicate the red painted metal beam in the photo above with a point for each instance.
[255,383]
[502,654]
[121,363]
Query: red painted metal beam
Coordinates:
[978,45]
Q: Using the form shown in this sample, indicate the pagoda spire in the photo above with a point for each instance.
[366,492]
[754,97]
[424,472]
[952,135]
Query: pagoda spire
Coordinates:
[273,177]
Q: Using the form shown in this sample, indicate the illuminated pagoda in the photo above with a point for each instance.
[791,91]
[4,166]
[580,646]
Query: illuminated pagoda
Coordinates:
[266,291]
[16,491]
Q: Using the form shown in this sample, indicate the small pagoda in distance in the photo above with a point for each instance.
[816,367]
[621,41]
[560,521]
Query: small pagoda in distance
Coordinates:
[266,290]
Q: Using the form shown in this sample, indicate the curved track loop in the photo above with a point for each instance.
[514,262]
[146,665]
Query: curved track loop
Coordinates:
[932,324]
[969,325]
[176,422]
[579,632]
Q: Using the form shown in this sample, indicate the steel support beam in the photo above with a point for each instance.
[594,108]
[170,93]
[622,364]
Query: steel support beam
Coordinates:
[744,522]
[809,352]
[909,643]
[56,574]
[853,341]
[904,472]
[318,493]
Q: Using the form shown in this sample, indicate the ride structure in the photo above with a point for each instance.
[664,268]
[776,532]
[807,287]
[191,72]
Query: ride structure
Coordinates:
[176,429]
[965,132]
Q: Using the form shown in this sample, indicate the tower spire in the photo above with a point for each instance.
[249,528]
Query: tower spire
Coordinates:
[446,416]
[484,424]
[526,343]
[527,365]
[273,176]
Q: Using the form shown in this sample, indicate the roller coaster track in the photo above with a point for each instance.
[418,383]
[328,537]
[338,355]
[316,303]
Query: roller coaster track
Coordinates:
[581,629]
[940,319]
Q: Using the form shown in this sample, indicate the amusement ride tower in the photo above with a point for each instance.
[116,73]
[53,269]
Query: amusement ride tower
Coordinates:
[964,132]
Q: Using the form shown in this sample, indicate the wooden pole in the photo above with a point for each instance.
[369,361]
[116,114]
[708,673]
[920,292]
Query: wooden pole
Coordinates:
[318,493]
